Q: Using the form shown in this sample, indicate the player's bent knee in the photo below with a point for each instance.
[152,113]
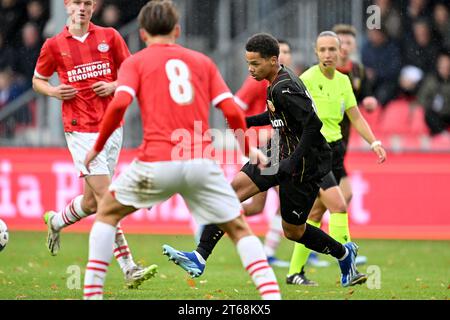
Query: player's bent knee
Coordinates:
[341,207]
[316,215]
[236,229]
[254,209]
[244,186]
[338,205]
[112,217]
[89,205]
[348,197]
[294,233]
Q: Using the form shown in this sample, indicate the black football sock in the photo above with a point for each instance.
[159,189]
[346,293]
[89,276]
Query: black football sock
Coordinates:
[211,234]
[317,240]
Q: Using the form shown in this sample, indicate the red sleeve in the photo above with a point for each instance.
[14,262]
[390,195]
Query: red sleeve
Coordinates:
[219,90]
[121,51]
[236,120]
[250,92]
[45,66]
[129,79]
[246,93]
[112,118]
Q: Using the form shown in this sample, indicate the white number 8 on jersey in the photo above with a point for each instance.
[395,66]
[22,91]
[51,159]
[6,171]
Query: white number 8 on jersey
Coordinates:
[180,87]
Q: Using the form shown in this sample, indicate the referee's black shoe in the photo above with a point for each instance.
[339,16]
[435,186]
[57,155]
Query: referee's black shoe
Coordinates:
[300,279]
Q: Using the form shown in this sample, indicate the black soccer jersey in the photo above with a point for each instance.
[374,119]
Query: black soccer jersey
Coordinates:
[292,114]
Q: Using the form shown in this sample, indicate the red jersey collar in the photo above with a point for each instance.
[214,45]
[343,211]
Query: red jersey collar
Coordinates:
[67,34]
[164,45]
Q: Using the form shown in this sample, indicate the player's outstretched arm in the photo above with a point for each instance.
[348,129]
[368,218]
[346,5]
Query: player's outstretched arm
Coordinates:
[262,119]
[61,92]
[236,121]
[113,116]
[364,130]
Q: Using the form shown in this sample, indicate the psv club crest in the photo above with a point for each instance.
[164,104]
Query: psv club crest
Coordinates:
[103,47]
[270,106]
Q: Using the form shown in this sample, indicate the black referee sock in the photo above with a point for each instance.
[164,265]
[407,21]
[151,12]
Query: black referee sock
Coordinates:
[211,234]
[317,240]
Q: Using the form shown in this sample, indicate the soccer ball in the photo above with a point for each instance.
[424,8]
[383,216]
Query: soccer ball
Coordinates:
[4,235]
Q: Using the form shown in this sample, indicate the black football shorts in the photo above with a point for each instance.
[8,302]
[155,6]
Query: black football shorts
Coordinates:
[296,198]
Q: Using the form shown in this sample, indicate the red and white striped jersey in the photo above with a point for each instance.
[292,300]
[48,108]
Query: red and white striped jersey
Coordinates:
[81,62]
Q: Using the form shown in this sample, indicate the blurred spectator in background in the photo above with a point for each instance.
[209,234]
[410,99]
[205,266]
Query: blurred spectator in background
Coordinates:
[27,54]
[6,54]
[441,23]
[356,71]
[409,81]
[382,58]
[9,90]
[38,14]
[434,95]
[12,17]
[130,9]
[390,18]
[422,27]
[419,57]
[420,50]
[414,10]
[111,16]
[97,14]
[115,13]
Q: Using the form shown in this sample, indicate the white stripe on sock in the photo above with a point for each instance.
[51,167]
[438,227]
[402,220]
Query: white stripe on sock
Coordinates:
[122,252]
[101,241]
[273,236]
[71,213]
[255,262]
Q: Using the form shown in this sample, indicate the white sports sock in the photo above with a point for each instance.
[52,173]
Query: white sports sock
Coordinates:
[273,236]
[101,241]
[69,215]
[122,252]
[255,262]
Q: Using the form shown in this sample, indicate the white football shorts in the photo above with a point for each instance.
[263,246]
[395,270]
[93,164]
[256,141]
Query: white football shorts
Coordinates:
[80,143]
[200,182]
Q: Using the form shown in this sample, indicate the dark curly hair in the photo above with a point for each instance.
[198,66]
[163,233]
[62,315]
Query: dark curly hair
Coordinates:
[264,44]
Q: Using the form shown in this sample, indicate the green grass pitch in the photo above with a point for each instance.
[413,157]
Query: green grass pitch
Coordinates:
[398,270]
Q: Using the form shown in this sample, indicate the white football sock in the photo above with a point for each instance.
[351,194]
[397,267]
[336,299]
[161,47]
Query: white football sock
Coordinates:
[122,252]
[255,262]
[101,241]
[273,236]
[69,215]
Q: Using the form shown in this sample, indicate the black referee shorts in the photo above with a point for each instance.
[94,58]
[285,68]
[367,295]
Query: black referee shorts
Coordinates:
[333,178]
[344,170]
[296,197]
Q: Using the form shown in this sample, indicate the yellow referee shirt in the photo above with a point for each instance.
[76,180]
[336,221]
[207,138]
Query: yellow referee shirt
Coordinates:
[332,97]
